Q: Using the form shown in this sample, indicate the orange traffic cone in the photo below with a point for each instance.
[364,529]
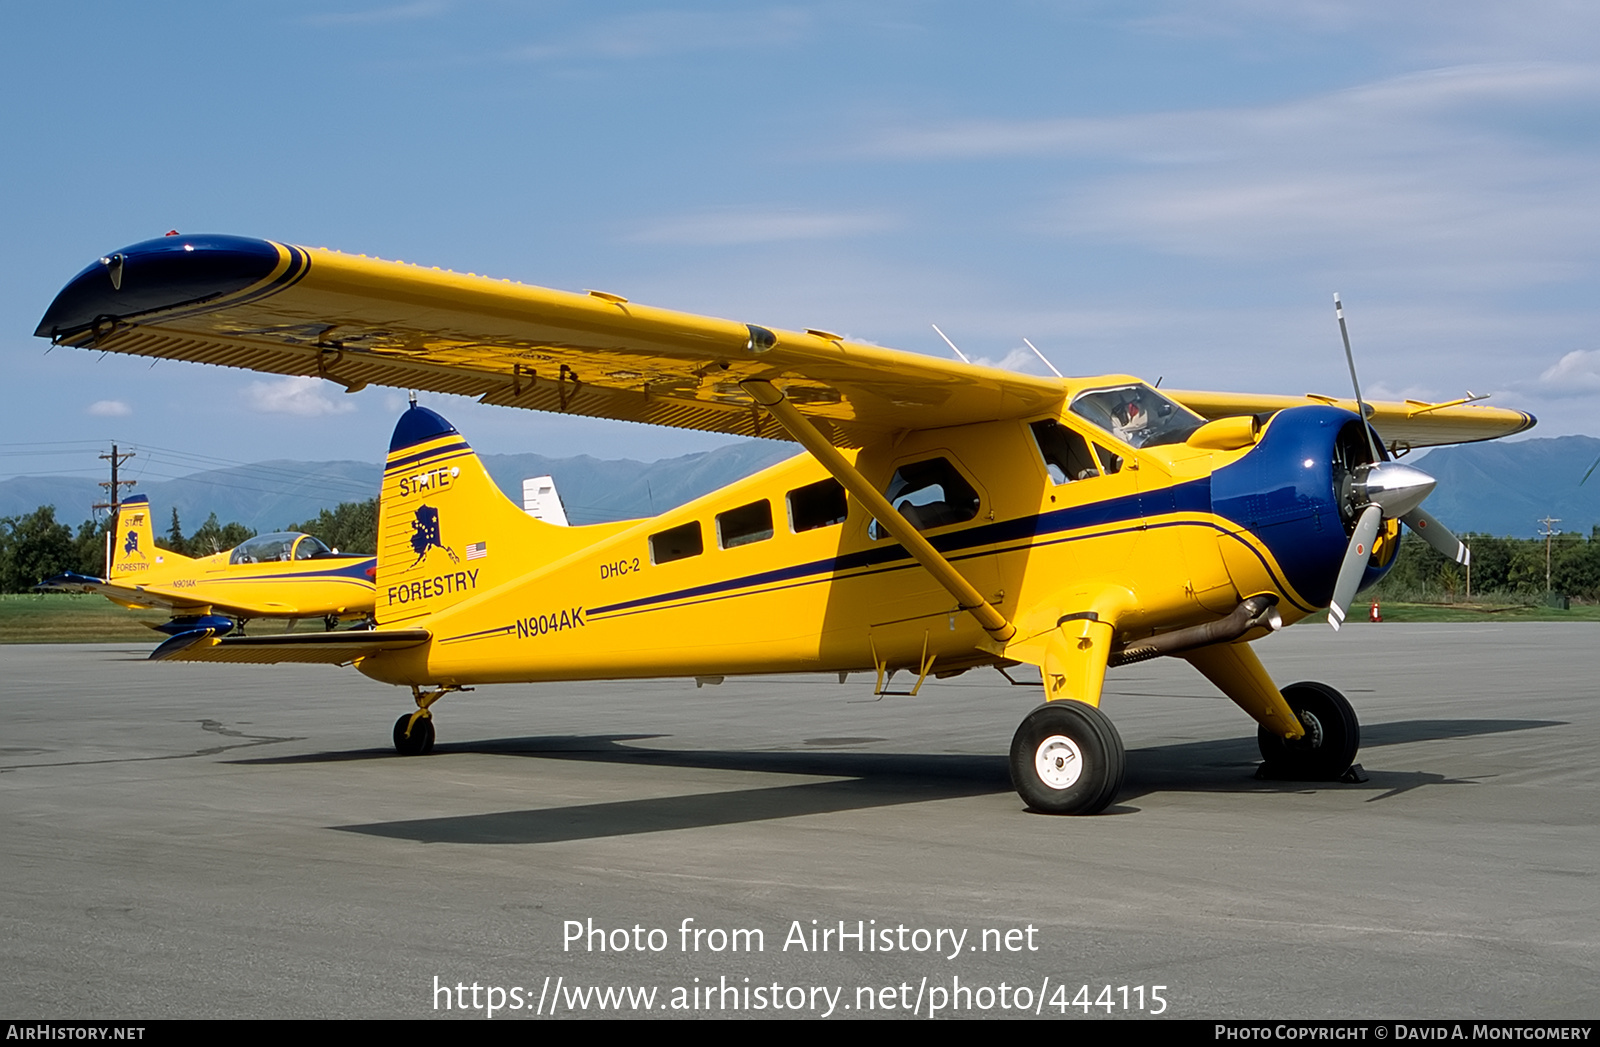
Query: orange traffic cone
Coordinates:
[1373,615]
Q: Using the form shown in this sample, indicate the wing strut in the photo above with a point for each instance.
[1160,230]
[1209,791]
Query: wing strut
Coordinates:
[806,434]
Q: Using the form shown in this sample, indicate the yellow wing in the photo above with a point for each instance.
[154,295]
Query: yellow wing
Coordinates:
[357,321]
[1411,423]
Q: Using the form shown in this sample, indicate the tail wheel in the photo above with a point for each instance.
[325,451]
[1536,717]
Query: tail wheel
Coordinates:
[420,739]
[1332,738]
[1067,758]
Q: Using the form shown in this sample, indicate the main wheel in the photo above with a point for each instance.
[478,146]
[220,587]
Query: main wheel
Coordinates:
[1333,735]
[419,741]
[1067,758]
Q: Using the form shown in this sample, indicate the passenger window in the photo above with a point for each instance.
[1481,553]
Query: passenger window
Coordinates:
[1065,452]
[676,543]
[821,504]
[746,524]
[929,494]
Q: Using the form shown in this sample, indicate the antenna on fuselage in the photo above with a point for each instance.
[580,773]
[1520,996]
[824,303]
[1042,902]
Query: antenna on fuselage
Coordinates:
[1041,356]
[951,344]
[413,398]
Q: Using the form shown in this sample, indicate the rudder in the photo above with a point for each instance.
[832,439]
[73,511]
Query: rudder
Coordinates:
[446,532]
[131,543]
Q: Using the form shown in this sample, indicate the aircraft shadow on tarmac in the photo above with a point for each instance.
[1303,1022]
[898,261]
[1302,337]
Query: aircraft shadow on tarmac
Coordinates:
[859,780]
[1229,765]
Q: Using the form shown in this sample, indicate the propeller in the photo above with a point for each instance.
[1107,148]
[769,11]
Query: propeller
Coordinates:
[1383,490]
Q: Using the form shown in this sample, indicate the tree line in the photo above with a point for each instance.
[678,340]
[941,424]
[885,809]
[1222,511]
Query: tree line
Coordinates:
[1511,569]
[35,546]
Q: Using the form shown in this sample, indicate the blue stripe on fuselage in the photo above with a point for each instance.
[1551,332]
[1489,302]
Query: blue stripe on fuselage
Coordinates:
[1271,492]
[1191,496]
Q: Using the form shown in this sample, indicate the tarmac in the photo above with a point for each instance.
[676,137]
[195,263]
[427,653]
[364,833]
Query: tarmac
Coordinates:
[242,842]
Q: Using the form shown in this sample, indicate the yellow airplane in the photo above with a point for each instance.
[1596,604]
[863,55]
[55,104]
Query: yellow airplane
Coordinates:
[286,575]
[943,517]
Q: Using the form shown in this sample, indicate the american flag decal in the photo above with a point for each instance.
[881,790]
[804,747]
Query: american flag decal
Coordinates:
[477,550]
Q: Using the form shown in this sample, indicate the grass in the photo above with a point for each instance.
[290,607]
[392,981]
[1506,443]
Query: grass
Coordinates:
[1396,611]
[72,618]
[87,618]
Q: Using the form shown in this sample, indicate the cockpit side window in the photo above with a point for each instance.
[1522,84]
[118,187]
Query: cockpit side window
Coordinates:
[1065,452]
[310,548]
[1109,463]
[929,494]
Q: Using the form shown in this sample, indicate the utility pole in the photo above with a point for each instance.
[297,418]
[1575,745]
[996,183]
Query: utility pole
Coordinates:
[115,486]
[1549,533]
[114,489]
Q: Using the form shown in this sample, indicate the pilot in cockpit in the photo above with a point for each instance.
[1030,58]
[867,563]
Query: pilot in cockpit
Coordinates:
[1129,419]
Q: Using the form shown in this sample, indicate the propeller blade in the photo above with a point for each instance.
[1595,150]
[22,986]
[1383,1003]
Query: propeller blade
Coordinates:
[1355,564]
[1437,535]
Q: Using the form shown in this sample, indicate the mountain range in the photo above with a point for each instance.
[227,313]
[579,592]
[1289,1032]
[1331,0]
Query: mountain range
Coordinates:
[1486,488]
[272,495]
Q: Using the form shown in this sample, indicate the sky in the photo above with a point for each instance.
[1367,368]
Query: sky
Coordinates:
[1170,189]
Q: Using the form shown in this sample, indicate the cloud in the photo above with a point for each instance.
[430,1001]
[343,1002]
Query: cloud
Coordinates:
[109,409]
[1021,359]
[1478,173]
[1575,374]
[1438,30]
[301,396]
[725,226]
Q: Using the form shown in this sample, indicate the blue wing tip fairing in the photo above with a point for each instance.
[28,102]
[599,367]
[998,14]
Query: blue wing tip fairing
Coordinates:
[163,273]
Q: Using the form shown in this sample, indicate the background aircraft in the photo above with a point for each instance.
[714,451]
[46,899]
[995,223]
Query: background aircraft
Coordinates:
[946,516]
[284,575]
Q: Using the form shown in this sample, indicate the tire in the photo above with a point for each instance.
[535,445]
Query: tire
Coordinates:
[419,742]
[1067,758]
[1332,738]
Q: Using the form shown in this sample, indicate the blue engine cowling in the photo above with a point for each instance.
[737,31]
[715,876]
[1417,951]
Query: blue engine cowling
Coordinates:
[1289,491]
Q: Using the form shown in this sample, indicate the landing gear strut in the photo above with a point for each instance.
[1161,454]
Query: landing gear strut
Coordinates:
[1067,758]
[1325,753]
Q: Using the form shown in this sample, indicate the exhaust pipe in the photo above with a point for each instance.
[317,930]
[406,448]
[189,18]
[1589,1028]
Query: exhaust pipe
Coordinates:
[1256,612]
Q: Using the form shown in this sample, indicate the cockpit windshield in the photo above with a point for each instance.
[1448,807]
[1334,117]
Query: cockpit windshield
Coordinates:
[1138,415]
[269,548]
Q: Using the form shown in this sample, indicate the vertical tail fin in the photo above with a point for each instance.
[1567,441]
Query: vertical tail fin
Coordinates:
[542,501]
[445,530]
[131,545]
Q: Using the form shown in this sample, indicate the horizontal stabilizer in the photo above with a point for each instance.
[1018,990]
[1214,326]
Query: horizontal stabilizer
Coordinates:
[70,582]
[336,648]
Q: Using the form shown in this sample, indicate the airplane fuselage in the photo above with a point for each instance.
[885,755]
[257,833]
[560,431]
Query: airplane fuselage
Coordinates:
[754,578]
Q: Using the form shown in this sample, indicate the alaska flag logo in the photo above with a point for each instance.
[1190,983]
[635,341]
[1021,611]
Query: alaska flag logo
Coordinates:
[131,545]
[425,535]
